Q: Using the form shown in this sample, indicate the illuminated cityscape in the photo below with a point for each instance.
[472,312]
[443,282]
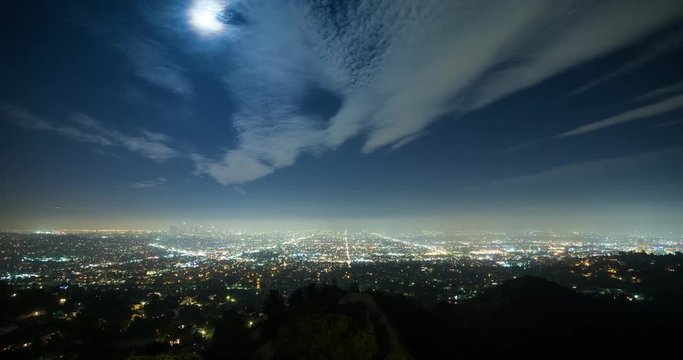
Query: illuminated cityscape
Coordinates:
[430,264]
[340,179]
[190,273]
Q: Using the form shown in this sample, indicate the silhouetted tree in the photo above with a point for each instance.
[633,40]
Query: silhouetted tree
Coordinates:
[231,339]
[324,336]
[275,310]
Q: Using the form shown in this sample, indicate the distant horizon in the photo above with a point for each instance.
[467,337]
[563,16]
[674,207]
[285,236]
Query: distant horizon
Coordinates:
[392,225]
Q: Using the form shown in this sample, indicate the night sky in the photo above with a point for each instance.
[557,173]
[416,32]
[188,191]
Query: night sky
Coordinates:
[359,114]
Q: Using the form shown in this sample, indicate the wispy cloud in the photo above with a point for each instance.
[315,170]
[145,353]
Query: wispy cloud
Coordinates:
[87,129]
[236,167]
[654,51]
[398,65]
[595,169]
[658,108]
[146,184]
[23,118]
[667,124]
[663,91]
[151,61]
[144,145]
[147,58]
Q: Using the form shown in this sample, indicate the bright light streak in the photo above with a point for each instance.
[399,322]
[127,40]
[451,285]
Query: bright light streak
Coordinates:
[204,16]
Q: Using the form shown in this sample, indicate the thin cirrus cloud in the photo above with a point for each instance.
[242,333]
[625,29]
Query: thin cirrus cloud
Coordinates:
[87,129]
[630,177]
[148,184]
[661,107]
[150,61]
[398,65]
[23,118]
[653,51]
[663,91]
[147,146]
[588,171]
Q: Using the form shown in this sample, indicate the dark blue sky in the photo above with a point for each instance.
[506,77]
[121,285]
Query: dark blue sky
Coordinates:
[261,114]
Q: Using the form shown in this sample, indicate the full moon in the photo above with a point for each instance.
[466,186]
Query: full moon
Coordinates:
[204,16]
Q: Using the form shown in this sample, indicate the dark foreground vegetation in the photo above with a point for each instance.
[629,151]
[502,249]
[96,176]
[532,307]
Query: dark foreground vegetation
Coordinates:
[526,316]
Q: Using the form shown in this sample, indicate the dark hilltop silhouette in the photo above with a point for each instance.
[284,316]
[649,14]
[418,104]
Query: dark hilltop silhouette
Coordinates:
[526,316]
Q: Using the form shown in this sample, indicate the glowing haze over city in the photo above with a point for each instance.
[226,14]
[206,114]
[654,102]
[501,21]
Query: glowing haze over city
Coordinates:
[230,175]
